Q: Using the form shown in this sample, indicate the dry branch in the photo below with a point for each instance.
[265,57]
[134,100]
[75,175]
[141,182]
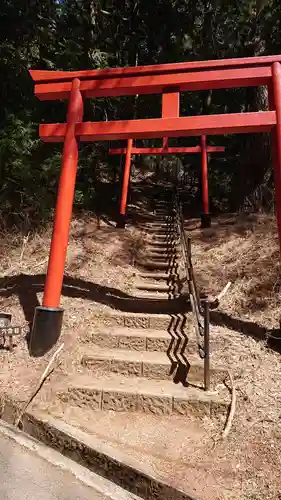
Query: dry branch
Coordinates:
[24,243]
[231,413]
[47,372]
[216,300]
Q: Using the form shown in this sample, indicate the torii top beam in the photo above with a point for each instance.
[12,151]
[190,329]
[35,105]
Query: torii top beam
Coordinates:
[199,75]
[155,84]
[55,76]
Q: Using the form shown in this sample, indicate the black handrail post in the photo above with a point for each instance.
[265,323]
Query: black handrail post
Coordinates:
[206,345]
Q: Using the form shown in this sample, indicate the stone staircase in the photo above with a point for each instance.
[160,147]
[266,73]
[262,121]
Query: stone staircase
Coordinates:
[146,362]
[159,279]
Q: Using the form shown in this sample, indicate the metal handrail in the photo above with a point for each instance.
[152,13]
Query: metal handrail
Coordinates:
[200,312]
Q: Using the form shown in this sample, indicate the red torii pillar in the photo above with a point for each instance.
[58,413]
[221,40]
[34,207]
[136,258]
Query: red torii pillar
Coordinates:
[274,101]
[47,320]
[166,150]
[205,216]
[125,185]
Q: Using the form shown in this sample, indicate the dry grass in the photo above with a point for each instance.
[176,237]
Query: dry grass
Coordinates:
[243,250]
[99,263]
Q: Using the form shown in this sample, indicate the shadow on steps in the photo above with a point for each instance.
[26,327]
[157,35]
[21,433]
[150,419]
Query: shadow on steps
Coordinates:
[27,287]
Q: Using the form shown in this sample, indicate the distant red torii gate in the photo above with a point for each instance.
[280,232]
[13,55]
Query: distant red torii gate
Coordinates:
[162,79]
[203,149]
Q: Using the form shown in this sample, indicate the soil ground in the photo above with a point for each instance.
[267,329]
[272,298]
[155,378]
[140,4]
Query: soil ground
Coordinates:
[247,465]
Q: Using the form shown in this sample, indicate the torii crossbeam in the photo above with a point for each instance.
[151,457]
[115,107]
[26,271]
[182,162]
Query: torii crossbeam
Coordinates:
[203,149]
[168,80]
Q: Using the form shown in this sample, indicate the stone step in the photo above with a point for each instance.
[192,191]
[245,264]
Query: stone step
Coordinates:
[157,287]
[137,339]
[168,248]
[153,295]
[168,229]
[169,257]
[164,211]
[159,276]
[135,394]
[156,225]
[164,230]
[159,226]
[160,218]
[156,264]
[141,320]
[150,246]
[152,232]
[163,252]
[142,339]
[167,245]
[154,221]
[165,207]
[149,364]
[160,301]
[162,234]
[163,237]
[162,245]
[160,251]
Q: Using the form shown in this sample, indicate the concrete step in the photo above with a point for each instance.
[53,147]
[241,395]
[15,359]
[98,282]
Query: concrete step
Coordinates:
[171,229]
[142,339]
[137,339]
[138,394]
[167,302]
[148,364]
[156,264]
[162,245]
[141,320]
[169,209]
[159,226]
[157,287]
[156,225]
[160,251]
[155,244]
[155,295]
[163,210]
[164,256]
[164,230]
[162,238]
[151,246]
[166,247]
[160,256]
[160,218]
[159,276]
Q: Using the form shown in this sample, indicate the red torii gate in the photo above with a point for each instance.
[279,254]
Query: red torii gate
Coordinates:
[166,150]
[166,78]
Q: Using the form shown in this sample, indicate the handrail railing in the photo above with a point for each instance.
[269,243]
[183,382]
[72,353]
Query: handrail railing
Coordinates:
[200,312]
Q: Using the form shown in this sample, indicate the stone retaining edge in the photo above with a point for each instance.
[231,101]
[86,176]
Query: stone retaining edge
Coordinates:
[98,457]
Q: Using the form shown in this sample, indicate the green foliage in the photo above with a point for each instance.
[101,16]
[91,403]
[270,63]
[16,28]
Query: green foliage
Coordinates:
[80,34]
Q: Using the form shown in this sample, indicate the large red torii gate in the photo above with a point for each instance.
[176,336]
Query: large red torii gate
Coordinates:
[203,149]
[171,79]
